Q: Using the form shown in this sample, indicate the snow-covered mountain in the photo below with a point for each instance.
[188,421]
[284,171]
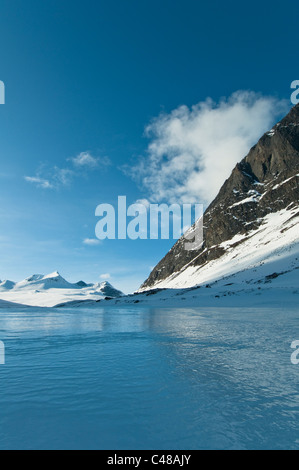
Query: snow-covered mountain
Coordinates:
[53,289]
[251,228]
[50,281]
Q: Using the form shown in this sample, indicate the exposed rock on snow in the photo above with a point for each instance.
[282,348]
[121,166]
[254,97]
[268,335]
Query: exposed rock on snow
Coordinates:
[253,219]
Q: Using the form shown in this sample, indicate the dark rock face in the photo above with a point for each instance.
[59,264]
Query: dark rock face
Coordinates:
[82,284]
[265,181]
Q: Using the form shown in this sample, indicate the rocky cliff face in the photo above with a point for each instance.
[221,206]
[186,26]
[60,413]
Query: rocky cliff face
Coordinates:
[266,181]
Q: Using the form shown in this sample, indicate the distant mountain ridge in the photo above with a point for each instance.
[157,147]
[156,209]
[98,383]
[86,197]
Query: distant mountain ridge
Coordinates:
[264,183]
[51,289]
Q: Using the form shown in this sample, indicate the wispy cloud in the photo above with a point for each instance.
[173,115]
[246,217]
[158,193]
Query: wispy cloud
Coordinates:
[54,177]
[86,159]
[39,182]
[192,151]
[105,276]
[91,241]
[51,178]
[63,176]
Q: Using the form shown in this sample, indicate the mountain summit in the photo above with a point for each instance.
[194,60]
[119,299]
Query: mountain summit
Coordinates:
[252,220]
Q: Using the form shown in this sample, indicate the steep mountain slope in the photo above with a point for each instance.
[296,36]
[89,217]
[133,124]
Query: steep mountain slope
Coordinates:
[253,219]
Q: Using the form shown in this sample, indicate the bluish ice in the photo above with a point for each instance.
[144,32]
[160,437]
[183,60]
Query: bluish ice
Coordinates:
[133,378]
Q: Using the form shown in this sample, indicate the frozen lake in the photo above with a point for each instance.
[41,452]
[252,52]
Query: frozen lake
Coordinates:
[133,378]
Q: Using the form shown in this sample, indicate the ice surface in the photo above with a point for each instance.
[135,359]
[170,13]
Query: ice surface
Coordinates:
[137,378]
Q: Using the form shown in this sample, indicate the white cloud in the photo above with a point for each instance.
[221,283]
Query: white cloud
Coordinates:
[54,177]
[86,159]
[192,151]
[39,182]
[62,176]
[91,241]
[105,276]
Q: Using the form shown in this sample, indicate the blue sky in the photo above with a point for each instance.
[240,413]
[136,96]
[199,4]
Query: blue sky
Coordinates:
[90,80]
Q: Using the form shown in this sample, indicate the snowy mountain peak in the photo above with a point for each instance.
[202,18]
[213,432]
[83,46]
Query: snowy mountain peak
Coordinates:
[54,275]
[105,284]
[107,289]
[43,281]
